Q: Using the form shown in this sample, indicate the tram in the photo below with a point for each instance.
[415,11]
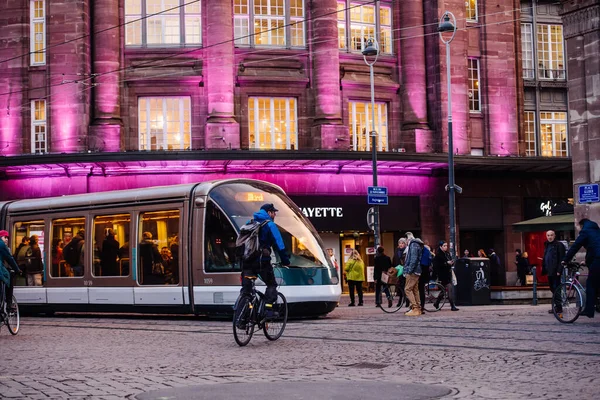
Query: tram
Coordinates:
[167,249]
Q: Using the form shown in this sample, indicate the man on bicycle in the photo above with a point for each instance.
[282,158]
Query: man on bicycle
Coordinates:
[7,275]
[268,236]
[589,237]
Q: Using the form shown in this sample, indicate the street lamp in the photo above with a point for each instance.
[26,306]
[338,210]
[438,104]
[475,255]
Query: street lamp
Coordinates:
[447,26]
[372,49]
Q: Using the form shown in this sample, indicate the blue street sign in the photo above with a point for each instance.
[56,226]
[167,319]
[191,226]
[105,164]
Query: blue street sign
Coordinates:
[377,200]
[589,193]
[377,191]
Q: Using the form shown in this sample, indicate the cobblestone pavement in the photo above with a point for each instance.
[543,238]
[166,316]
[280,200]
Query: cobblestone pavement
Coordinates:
[491,352]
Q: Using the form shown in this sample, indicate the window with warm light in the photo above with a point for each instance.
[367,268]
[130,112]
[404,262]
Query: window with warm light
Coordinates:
[37,43]
[39,142]
[551,58]
[164,123]
[527,46]
[273,123]
[471,10]
[276,23]
[358,22]
[162,22]
[360,122]
[530,139]
[474,92]
[553,134]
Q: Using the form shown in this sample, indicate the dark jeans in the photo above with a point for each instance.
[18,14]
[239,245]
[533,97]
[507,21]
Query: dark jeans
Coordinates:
[265,270]
[378,292]
[591,287]
[8,295]
[554,281]
[423,279]
[358,286]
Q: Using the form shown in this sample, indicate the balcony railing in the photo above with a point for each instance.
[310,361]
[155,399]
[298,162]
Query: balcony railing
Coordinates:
[555,74]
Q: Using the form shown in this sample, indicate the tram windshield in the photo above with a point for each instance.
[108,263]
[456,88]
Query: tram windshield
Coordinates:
[240,201]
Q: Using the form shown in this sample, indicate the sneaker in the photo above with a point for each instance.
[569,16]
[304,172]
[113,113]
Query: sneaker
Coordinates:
[390,303]
[415,312]
[437,304]
[377,305]
[360,304]
[352,305]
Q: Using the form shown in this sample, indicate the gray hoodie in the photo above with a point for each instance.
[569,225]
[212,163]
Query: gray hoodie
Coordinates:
[412,264]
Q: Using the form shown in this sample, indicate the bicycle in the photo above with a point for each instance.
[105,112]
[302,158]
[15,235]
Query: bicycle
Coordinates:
[11,318]
[569,297]
[396,297]
[249,312]
[434,291]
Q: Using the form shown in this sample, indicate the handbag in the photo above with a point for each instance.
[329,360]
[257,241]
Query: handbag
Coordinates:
[384,277]
[158,269]
[454,281]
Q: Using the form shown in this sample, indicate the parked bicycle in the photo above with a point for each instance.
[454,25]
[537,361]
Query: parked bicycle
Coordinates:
[435,296]
[9,317]
[249,312]
[395,299]
[569,297]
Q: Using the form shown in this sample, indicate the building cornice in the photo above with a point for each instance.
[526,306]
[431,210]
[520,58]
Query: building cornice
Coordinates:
[579,21]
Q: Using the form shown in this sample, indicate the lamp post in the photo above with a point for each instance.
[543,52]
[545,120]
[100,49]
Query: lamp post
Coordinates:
[372,49]
[447,26]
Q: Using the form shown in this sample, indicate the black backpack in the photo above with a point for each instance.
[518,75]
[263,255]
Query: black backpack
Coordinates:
[248,243]
[71,252]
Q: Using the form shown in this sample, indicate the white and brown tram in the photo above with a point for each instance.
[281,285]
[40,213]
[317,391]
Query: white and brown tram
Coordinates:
[193,227]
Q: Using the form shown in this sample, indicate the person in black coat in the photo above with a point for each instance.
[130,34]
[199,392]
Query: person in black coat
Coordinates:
[109,255]
[442,270]
[149,255]
[522,266]
[554,252]
[382,264]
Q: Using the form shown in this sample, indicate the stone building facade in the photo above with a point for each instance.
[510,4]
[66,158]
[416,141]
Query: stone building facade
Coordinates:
[111,94]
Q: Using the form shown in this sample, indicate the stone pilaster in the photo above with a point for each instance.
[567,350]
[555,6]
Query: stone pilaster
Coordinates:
[69,110]
[581,19]
[222,128]
[105,131]
[326,65]
[414,82]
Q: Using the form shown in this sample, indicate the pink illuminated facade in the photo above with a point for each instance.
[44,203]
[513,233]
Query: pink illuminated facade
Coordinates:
[113,94]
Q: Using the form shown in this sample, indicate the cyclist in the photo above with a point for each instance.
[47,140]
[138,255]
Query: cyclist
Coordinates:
[7,275]
[268,236]
[589,237]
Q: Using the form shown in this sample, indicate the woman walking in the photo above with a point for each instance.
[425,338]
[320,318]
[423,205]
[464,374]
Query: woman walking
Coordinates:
[355,274]
[442,268]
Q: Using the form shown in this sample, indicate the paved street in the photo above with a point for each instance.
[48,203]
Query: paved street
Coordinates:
[493,352]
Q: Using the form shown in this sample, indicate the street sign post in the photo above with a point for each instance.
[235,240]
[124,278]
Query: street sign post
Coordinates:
[589,193]
[377,191]
[377,195]
[377,200]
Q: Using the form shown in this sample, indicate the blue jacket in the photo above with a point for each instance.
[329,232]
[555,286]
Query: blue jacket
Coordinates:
[5,256]
[589,237]
[414,253]
[269,236]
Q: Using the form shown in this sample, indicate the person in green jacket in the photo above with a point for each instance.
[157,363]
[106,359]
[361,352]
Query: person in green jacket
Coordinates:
[355,275]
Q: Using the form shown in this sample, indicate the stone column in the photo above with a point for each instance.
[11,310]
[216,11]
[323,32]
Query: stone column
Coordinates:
[222,129]
[414,83]
[581,19]
[105,131]
[327,125]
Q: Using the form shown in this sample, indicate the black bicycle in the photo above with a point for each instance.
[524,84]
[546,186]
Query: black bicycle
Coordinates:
[9,317]
[249,312]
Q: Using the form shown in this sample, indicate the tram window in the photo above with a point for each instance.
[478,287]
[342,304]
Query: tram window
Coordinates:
[65,230]
[158,248]
[25,252]
[111,245]
[219,242]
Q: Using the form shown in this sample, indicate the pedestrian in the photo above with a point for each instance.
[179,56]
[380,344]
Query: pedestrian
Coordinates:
[589,237]
[398,262]
[355,276]
[522,266]
[412,270]
[426,259]
[21,253]
[442,270]
[109,254]
[333,260]
[554,252]
[382,264]
[481,253]
[466,253]
[495,267]
[35,266]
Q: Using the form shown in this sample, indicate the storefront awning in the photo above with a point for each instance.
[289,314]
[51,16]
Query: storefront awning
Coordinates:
[562,222]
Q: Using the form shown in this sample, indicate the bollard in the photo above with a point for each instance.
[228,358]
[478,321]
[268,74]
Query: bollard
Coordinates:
[534,286]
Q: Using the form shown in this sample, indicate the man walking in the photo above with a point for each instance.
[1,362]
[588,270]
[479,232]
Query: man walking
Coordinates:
[554,252]
[412,271]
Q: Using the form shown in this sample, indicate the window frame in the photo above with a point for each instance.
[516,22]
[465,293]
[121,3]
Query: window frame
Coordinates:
[346,25]
[142,21]
[148,122]
[546,33]
[528,59]
[121,240]
[554,123]
[531,142]
[255,118]
[33,21]
[352,125]
[472,14]
[86,256]
[474,85]
[38,123]
[248,39]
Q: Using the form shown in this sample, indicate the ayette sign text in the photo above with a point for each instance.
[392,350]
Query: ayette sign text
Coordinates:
[323,212]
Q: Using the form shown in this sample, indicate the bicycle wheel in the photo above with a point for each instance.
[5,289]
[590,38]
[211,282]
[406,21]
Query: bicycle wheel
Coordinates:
[567,302]
[435,295]
[274,326]
[13,321]
[396,297]
[243,324]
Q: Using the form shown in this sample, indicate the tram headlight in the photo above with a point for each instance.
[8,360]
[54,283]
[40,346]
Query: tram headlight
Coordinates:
[335,280]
